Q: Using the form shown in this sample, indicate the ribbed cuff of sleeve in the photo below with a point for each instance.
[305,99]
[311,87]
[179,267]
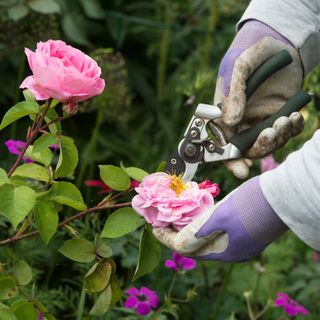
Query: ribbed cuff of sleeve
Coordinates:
[296,20]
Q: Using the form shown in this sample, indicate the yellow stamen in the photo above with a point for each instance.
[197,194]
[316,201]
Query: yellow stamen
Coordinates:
[177,184]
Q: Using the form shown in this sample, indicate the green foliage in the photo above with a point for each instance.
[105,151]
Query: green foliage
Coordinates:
[20,110]
[98,277]
[68,158]
[102,303]
[121,222]
[46,218]
[135,173]
[149,254]
[80,250]
[68,194]
[22,272]
[33,171]
[16,203]
[116,178]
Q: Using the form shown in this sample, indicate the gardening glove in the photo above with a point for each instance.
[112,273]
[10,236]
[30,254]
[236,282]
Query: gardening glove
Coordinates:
[237,228]
[254,44]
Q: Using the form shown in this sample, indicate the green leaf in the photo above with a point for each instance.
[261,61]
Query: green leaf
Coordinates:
[8,288]
[161,166]
[102,304]
[3,177]
[93,9]
[149,254]
[80,250]
[116,178]
[121,222]
[46,218]
[68,158]
[135,173]
[32,170]
[28,96]
[22,272]
[44,142]
[44,6]
[54,127]
[20,110]
[44,157]
[68,194]
[6,313]
[16,203]
[24,310]
[116,292]
[18,12]
[102,248]
[98,277]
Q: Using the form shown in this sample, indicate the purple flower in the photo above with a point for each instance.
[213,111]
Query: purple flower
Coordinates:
[15,147]
[180,262]
[290,306]
[143,300]
[268,163]
[40,316]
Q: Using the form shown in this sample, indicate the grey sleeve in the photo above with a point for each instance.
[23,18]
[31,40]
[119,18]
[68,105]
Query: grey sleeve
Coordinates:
[293,191]
[297,20]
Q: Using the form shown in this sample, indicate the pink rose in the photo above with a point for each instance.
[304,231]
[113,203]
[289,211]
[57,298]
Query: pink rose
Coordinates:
[63,73]
[165,200]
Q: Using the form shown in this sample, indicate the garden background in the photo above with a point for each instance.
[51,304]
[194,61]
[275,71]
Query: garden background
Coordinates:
[159,59]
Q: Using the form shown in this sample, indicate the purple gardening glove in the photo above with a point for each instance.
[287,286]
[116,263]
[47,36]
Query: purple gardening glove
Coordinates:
[237,228]
[254,44]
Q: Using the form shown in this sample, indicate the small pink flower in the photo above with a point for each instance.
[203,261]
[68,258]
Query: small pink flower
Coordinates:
[165,200]
[213,188]
[15,147]
[142,300]
[268,163]
[290,306]
[180,262]
[62,72]
[105,188]
[40,316]
[99,184]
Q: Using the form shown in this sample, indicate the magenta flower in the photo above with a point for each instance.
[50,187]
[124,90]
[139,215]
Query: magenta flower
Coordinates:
[104,187]
[142,300]
[15,147]
[40,316]
[290,306]
[180,262]
[268,163]
[212,188]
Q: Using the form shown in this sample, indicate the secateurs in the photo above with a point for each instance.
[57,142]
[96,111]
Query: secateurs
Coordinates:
[204,140]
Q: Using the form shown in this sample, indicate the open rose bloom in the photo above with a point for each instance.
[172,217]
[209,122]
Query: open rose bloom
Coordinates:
[165,200]
[63,73]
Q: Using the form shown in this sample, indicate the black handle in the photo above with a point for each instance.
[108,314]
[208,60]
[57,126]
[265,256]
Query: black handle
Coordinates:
[268,68]
[246,138]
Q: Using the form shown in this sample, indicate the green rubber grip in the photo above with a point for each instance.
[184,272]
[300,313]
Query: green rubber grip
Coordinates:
[246,138]
[268,68]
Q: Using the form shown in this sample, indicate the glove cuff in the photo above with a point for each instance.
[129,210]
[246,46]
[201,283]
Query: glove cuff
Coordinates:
[257,216]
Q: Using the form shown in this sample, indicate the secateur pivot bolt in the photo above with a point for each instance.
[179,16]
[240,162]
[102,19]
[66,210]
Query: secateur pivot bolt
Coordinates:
[198,122]
[193,133]
[173,161]
[211,147]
